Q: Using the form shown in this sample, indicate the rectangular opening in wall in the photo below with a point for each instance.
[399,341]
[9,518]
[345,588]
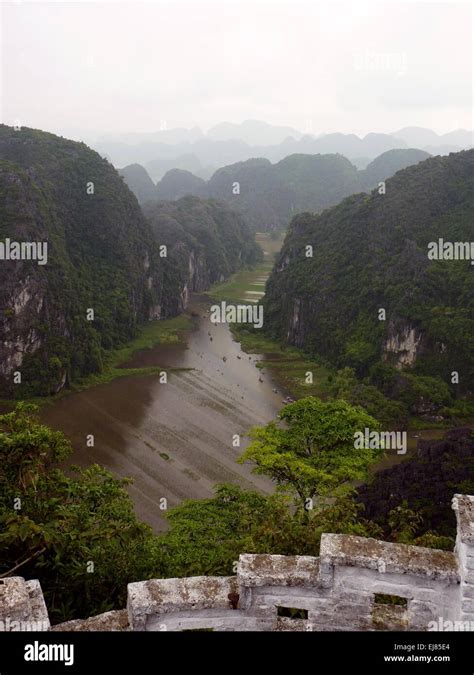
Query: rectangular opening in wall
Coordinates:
[389,612]
[197,630]
[292,612]
[385,599]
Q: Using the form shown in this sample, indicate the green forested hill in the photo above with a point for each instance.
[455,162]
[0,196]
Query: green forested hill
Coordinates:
[178,183]
[388,163]
[370,253]
[139,182]
[269,195]
[102,256]
[206,242]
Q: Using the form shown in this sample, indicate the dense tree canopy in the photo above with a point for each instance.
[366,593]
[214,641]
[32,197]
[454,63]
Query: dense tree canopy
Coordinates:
[313,450]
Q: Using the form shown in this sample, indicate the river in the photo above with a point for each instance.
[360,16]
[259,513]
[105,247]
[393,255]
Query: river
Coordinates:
[174,439]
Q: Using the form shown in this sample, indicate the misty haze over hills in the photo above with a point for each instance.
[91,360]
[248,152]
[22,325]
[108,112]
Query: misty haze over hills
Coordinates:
[227,143]
[267,194]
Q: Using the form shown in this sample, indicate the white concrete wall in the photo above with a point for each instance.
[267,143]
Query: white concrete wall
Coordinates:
[463,506]
[338,592]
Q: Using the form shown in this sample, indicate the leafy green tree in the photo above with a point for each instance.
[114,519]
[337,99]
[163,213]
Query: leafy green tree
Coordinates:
[312,449]
[77,533]
[403,523]
[391,414]
[206,536]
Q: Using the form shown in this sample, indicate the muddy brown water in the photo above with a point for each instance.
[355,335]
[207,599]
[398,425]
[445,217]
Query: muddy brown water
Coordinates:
[175,439]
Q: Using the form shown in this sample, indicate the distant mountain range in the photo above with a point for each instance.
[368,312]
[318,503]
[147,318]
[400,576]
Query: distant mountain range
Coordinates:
[267,194]
[227,143]
[252,132]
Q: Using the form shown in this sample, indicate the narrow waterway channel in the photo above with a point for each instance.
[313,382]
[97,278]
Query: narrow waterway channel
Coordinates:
[175,439]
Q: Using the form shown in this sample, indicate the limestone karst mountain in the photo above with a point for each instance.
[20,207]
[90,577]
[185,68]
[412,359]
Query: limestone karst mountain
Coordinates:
[253,132]
[370,253]
[101,257]
[206,242]
[419,137]
[267,194]
[139,182]
[103,276]
[178,183]
[388,163]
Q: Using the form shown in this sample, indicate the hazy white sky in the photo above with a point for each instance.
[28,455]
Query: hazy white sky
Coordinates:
[98,67]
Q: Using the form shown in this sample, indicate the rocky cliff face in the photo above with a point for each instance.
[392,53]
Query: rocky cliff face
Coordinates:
[193,275]
[403,345]
[23,288]
[101,258]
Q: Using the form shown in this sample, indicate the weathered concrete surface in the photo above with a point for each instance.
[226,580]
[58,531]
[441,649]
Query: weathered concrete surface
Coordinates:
[463,505]
[116,620]
[22,605]
[278,570]
[159,597]
[366,553]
